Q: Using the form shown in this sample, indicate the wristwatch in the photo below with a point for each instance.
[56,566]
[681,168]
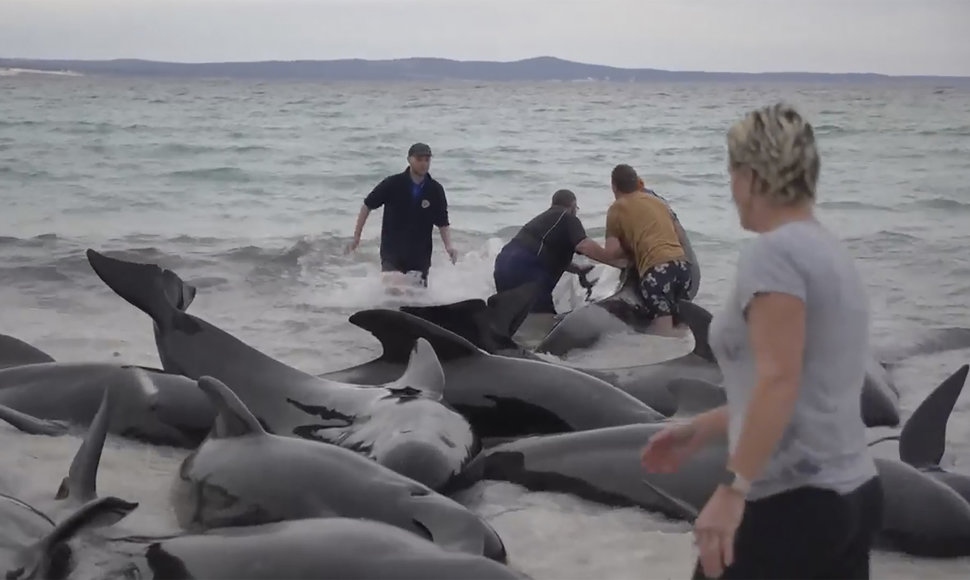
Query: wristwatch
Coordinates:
[734,481]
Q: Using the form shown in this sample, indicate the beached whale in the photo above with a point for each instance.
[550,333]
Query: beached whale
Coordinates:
[403,425]
[242,475]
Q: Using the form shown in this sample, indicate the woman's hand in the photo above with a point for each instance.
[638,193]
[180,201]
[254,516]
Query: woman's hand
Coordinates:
[669,448]
[714,530]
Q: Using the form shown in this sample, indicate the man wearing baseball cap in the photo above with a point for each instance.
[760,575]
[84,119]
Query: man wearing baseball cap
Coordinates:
[413,203]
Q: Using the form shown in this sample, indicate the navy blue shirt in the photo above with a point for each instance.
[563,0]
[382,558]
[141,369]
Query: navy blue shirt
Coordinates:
[411,210]
[552,236]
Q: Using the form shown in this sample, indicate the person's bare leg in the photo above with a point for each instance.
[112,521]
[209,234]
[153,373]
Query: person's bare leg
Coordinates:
[664,326]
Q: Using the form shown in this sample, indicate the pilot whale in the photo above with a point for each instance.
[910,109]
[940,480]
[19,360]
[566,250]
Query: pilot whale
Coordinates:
[153,406]
[923,514]
[336,548]
[501,396]
[243,475]
[403,424]
[491,324]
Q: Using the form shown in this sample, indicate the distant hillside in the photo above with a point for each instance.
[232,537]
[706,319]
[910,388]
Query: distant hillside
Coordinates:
[435,69]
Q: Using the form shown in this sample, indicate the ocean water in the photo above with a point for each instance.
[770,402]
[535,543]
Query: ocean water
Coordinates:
[250,190]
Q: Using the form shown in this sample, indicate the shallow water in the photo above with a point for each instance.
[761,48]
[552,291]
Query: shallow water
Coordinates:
[249,191]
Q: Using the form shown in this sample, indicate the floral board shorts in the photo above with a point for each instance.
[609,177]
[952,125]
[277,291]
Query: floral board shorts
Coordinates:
[663,286]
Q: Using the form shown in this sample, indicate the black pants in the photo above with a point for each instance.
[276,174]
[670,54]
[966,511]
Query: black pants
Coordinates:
[515,266]
[807,533]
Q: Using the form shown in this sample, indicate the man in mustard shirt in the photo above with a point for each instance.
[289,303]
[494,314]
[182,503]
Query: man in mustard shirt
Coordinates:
[639,225]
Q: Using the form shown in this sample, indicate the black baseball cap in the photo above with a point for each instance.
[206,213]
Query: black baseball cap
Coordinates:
[419,149]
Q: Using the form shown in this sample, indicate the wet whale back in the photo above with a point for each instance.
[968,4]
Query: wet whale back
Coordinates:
[15,352]
[234,461]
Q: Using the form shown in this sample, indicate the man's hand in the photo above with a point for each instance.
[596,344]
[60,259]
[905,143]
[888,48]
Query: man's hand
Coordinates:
[452,253]
[584,281]
[352,246]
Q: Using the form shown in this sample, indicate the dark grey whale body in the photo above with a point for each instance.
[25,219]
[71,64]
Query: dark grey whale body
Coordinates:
[314,549]
[241,475]
[490,325]
[34,544]
[154,406]
[403,424]
[584,326]
[501,396]
[922,514]
[922,441]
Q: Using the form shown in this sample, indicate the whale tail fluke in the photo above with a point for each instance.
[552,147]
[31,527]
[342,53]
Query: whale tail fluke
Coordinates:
[49,557]
[157,292]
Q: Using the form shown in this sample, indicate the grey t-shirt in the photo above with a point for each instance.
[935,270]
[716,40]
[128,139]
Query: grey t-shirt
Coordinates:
[825,443]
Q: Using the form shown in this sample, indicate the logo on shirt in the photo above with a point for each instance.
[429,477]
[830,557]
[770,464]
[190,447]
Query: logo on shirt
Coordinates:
[425,203]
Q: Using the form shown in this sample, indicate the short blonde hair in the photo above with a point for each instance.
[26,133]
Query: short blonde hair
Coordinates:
[779,146]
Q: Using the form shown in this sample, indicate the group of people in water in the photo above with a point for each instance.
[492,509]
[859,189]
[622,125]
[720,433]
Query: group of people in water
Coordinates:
[642,232]
[800,496]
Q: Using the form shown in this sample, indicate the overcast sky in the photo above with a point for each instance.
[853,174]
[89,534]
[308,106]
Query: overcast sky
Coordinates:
[887,36]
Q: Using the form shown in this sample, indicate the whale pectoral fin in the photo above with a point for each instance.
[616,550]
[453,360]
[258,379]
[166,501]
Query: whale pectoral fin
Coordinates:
[439,517]
[698,319]
[30,424]
[15,353]
[424,372]
[508,310]
[233,418]
[695,396]
[922,440]
[38,560]
[157,292]
[80,485]
[680,507]
[398,330]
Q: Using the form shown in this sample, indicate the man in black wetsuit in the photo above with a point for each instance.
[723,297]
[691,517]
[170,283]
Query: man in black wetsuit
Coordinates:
[413,202]
[543,250]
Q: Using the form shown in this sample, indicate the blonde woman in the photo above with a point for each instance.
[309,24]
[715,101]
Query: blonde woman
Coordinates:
[800,497]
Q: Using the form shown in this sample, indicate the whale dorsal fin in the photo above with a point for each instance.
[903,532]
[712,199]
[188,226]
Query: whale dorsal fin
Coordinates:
[15,352]
[45,558]
[462,318]
[80,485]
[398,330]
[156,291]
[424,372]
[488,325]
[698,319]
[695,396]
[923,437]
[233,418]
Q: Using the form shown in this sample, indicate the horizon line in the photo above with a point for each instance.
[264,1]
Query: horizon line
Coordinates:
[483,61]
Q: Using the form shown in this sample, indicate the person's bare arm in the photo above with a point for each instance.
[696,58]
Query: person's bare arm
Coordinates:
[445,232]
[359,227]
[374,200]
[592,250]
[772,293]
[776,326]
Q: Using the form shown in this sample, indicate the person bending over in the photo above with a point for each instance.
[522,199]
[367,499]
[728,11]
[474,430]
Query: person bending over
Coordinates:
[690,256]
[640,225]
[800,496]
[543,249]
[413,202]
